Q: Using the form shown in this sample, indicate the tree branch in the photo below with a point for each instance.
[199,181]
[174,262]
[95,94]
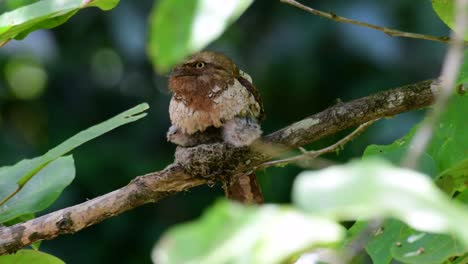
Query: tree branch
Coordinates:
[388,31]
[312,154]
[213,162]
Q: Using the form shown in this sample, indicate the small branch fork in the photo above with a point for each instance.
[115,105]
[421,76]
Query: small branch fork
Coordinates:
[388,31]
[316,153]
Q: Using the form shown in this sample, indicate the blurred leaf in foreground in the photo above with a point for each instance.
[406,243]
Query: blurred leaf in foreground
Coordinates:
[445,9]
[233,233]
[373,188]
[43,14]
[179,28]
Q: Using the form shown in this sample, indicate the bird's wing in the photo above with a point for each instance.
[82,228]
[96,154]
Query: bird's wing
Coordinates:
[246,81]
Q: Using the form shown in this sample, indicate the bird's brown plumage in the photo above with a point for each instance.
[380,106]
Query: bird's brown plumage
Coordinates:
[215,101]
[209,90]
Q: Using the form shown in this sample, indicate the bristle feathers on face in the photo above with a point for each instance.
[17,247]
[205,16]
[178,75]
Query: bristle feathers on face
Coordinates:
[210,90]
[206,62]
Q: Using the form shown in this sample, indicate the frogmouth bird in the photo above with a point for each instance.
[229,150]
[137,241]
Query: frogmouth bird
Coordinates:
[213,100]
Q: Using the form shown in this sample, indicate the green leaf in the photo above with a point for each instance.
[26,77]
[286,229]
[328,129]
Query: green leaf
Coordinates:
[395,153]
[445,10]
[463,197]
[36,245]
[30,256]
[42,179]
[8,5]
[373,188]
[395,240]
[19,219]
[424,248]
[448,148]
[179,28]
[455,178]
[43,189]
[380,244]
[450,144]
[93,132]
[44,14]
[233,233]
[461,260]
[445,160]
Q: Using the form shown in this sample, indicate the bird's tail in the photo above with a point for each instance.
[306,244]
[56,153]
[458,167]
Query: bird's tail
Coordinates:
[245,189]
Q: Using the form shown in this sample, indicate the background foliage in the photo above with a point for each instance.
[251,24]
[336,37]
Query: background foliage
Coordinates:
[57,82]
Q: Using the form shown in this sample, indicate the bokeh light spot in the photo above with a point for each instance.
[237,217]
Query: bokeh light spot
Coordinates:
[26,78]
[106,67]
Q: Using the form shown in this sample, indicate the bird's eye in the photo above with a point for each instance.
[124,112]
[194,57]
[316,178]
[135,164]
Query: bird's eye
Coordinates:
[199,65]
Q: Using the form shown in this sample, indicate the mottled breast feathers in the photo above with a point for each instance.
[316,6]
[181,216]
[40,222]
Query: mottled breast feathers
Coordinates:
[208,90]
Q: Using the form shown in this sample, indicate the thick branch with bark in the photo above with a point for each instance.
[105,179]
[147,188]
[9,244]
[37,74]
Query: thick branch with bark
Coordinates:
[214,162]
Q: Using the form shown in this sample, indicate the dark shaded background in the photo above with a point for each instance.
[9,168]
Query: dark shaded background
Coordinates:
[96,66]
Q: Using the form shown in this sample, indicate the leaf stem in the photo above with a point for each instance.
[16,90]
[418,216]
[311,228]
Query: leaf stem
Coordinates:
[11,195]
[21,182]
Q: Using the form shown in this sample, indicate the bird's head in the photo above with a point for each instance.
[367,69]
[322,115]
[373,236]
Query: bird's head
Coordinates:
[202,70]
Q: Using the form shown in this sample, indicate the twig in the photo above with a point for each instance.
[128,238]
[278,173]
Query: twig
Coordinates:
[315,153]
[448,77]
[317,163]
[388,31]
[209,163]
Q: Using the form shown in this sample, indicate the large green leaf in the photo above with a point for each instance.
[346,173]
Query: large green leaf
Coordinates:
[417,247]
[447,153]
[8,5]
[179,27]
[445,10]
[40,180]
[233,233]
[445,160]
[449,148]
[396,152]
[395,240]
[373,188]
[44,14]
[379,245]
[27,256]
[39,192]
